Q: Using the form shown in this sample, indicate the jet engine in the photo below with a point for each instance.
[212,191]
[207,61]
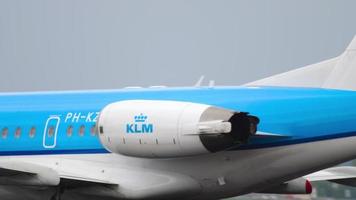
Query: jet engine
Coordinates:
[161,129]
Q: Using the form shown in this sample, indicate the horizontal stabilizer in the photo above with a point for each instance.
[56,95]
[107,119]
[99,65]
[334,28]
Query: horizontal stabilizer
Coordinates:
[345,175]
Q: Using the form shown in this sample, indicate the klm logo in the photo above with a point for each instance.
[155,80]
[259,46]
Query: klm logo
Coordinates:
[140,125]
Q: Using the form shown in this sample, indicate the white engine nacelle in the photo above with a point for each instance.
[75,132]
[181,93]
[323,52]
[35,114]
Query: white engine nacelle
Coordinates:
[150,128]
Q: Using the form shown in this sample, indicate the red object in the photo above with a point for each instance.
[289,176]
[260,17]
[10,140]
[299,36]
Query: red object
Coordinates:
[308,187]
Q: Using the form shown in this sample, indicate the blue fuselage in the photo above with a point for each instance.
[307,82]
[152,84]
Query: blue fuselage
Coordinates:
[64,122]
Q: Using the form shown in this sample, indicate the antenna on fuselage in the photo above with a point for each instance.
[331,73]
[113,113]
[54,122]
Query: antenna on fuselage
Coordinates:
[199,82]
[211,83]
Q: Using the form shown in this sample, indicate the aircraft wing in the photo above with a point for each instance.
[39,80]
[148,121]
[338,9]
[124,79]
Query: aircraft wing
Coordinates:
[101,180]
[344,175]
[27,174]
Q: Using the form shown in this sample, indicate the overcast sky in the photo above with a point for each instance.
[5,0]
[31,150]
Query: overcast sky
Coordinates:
[94,44]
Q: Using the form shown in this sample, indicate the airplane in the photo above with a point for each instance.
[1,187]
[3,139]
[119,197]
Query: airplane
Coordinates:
[201,142]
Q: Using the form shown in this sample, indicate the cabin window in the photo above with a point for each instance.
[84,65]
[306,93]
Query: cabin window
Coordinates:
[18,132]
[50,131]
[93,130]
[32,132]
[81,130]
[70,131]
[4,132]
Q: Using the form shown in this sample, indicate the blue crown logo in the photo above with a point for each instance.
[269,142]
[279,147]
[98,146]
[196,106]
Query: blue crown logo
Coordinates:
[140,118]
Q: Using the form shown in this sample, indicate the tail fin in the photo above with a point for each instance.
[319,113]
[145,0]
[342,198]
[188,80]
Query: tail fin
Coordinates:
[343,76]
[336,73]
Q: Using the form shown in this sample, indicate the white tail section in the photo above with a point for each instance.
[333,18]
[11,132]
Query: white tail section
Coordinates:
[343,76]
[336,73]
